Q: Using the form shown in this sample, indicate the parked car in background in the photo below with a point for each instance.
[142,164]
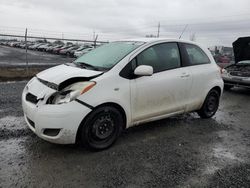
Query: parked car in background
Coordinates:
[35,46]
[119,85]
[72,51]
[57,50]
[44,46]
[23,45]
[51,48]
[238,74]
[83,51]
[67,51]
[14,43]
[80,48]
[17,44]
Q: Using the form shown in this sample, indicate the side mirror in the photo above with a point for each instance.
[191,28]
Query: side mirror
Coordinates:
[143,70]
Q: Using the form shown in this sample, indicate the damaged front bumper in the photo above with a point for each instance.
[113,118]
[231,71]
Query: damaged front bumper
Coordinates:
[54,123]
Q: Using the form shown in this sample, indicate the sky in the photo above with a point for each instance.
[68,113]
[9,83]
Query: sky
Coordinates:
[211,22]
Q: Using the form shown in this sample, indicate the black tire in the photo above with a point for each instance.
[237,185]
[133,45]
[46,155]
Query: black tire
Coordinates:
[210,105]
[228,87]
[101,128]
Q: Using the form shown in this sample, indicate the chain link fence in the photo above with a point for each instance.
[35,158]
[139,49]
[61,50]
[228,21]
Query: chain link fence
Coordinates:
[22,57]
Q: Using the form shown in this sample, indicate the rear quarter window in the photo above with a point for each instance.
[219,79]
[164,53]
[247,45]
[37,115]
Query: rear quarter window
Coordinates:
[196,55]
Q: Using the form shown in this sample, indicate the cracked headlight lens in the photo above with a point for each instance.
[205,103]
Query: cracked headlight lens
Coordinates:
[71,92]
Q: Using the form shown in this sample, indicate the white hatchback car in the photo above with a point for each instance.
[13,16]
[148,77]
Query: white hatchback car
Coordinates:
[119,85]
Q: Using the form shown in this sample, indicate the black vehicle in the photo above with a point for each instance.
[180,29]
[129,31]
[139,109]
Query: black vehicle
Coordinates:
[238,74]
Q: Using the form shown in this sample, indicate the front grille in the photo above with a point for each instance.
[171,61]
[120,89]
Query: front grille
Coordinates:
[31,98]
[240,74]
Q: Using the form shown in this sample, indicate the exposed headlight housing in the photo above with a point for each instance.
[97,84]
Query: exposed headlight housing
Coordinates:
[224,71]
[71,92]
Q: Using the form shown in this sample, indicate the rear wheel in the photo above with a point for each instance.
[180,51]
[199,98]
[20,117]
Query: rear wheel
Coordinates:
[101,128]
[210,105]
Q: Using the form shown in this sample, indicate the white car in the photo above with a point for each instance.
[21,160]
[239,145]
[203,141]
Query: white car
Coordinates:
[119,85]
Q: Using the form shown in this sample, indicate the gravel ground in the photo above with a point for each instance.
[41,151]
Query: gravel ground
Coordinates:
[183,151]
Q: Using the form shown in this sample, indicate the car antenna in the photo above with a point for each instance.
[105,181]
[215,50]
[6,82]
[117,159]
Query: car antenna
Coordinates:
[183,31]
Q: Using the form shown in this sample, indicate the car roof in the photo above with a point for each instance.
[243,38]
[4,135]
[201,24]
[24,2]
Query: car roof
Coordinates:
[151,40]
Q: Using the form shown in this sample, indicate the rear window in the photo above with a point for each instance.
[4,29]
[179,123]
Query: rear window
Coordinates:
[196,55]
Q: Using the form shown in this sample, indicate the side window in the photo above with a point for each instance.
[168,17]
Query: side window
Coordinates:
[161,57]
[196,55]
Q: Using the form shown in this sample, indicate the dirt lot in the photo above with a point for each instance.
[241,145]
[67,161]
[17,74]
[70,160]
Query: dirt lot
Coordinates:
[183,151]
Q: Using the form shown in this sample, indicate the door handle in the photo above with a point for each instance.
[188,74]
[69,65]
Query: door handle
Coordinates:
[185,75]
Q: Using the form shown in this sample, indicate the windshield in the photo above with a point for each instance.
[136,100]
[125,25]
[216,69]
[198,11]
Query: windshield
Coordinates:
[108,55]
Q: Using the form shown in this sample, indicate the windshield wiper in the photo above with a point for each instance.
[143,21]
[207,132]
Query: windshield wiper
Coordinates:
[86,65]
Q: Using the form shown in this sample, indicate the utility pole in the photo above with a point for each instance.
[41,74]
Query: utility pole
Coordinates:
[158,32]
[26,50]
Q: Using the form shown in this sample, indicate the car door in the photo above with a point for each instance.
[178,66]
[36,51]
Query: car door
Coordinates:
[166,90]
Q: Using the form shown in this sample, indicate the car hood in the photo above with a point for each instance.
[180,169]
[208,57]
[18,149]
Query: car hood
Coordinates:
[61,73]
[241,49]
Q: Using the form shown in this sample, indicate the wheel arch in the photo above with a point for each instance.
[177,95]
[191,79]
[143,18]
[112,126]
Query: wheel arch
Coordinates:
[204,114]
[217,88]
[115,105]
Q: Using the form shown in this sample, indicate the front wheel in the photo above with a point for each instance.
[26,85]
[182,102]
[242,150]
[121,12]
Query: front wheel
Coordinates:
[101,128]
[210,105]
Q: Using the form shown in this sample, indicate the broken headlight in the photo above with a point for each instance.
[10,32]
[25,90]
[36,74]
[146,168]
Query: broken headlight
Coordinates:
[71,92]
[224,72]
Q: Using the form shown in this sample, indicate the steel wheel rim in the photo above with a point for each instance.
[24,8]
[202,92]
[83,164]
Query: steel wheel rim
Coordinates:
[212,104]
[103,127]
